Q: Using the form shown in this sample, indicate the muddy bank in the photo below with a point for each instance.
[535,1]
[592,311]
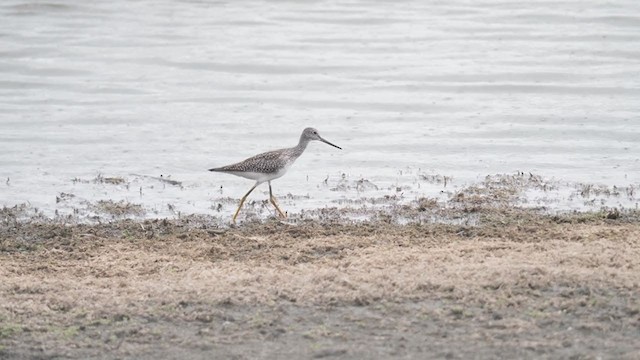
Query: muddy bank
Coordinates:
[516,284]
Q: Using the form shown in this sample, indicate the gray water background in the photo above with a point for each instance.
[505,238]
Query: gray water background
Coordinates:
[463,89]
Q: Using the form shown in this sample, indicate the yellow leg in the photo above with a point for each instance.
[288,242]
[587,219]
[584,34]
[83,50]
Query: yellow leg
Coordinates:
[242,202]
[273,201]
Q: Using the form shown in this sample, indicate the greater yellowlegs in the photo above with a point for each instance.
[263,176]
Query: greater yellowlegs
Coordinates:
[270,166]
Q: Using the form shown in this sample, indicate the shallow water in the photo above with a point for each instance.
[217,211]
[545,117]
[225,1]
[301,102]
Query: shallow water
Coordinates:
[463,89]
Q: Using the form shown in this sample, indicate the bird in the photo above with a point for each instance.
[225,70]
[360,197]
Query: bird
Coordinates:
[270,165]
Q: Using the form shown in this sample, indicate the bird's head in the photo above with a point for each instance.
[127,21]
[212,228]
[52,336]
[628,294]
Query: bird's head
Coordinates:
[312,134]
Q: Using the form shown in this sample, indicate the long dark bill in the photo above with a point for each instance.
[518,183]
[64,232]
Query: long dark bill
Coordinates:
[326,142]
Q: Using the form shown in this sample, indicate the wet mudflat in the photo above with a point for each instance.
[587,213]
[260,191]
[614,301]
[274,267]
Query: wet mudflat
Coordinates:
[516,283]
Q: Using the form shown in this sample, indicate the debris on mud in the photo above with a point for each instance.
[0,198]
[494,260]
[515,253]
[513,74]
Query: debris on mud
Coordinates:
[474,262]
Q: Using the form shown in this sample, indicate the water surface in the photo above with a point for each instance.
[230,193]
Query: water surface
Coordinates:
[464,89]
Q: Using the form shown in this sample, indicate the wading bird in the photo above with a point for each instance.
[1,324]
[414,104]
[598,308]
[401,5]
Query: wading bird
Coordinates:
[270,166]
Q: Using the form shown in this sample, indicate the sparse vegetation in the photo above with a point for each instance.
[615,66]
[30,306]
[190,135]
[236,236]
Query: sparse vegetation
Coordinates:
[471,261]
[101,179]
[118,209]
[517,274]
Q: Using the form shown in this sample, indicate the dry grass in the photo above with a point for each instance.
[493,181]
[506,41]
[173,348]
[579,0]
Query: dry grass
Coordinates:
[517,262]
[358,264]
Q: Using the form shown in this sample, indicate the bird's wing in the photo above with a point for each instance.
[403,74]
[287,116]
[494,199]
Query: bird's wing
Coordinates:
[268,162]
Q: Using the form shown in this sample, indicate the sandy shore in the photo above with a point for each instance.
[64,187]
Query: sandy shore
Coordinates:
[517,285]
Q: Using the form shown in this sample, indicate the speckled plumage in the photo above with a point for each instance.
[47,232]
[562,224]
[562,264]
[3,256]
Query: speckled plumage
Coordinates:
[266,163]
[270,165]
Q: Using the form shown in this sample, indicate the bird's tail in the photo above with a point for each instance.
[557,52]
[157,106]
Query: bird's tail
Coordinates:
[214,169]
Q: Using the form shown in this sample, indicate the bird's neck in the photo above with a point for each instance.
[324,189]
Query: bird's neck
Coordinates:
[302,145]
